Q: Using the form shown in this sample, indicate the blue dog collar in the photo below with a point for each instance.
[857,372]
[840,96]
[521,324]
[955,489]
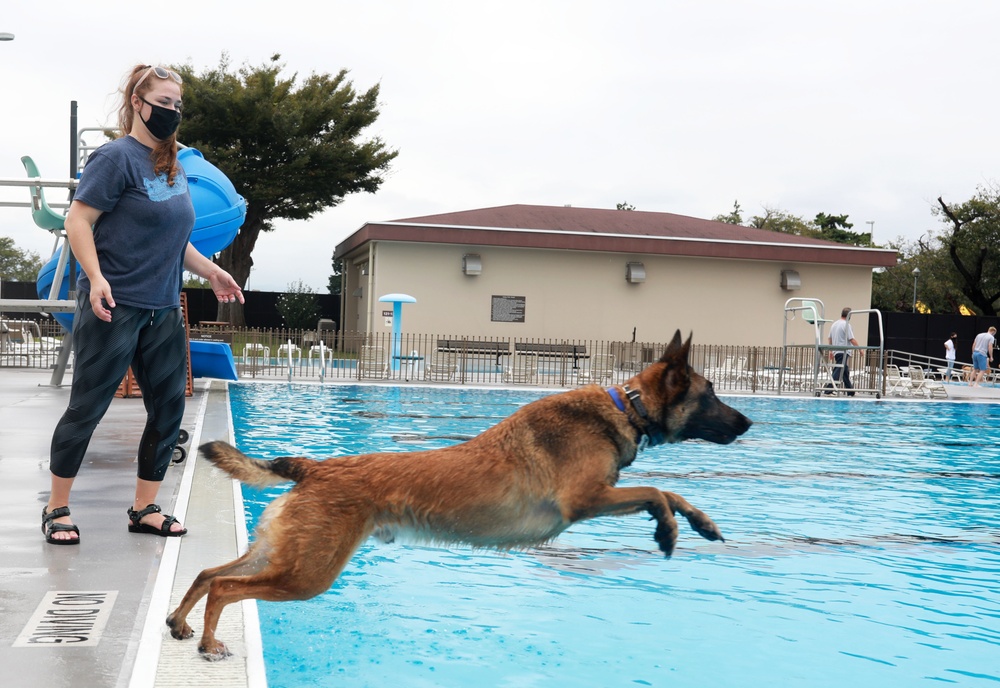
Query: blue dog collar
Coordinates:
[615,397]
[646,438]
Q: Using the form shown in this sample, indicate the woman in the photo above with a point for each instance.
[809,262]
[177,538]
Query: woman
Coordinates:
[129,226]
[949,355]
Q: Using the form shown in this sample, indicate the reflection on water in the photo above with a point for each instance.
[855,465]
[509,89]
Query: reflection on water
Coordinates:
[862,549]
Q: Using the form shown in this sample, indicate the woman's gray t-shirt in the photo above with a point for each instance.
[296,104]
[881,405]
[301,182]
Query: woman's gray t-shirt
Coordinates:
[144,227]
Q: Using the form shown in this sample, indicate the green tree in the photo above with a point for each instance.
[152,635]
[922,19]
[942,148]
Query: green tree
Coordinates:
[733,217]
[192,281]
[337,278]
[291,148]
[835,228]
[937,284]
[17,265]
[972,242]
[299,307]
[829,227]
[780,221]
[624,206]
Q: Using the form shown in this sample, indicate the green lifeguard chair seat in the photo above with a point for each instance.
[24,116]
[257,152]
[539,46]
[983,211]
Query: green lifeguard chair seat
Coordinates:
[811,312]
[44,216]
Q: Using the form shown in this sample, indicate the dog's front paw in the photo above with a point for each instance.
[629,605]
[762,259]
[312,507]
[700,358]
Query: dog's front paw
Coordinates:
[666,538]
[705,526]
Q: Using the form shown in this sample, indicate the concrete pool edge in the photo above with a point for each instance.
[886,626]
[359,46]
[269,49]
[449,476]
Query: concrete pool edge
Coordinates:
[210,504]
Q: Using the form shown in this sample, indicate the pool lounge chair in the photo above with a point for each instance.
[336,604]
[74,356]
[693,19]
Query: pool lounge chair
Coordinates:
[600,371]
[256,354]
[895,383]
[372,363]
[732,372]
[288,352]
[23,339]
[523,371]
[443,368]
[925,386]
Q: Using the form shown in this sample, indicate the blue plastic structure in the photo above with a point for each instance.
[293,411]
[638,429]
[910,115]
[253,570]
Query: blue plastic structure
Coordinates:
[212,359]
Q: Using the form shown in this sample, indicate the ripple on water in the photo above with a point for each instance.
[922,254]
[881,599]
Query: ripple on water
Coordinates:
[862,549]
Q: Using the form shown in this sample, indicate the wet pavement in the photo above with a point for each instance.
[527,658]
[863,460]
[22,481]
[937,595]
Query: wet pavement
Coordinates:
[92,614]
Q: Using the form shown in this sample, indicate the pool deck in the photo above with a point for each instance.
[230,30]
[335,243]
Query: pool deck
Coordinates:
[114,635]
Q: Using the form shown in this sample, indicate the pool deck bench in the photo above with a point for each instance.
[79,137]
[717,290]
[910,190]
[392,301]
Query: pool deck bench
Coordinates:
[474,348]
[557,352]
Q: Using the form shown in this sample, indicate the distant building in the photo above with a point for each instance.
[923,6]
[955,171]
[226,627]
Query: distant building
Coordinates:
[580,273]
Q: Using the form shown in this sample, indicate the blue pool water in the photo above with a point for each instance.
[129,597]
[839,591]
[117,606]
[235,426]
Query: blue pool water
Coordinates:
[862,550]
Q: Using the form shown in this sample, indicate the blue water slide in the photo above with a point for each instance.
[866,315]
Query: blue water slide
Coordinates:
[219,213]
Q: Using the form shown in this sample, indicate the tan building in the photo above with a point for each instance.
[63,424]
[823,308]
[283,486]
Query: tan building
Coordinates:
[522,271]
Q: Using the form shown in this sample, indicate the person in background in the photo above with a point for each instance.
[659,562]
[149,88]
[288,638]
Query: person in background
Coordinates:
[841,335]
[949,354]
[982,355]
[130,225]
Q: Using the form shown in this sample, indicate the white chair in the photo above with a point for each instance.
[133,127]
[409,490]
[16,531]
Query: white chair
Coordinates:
[317,355]
[600,370]
[289,354]
[925,386]
[895,383]
[443,368]
[523,371]
[255,353]
[16,341]
[372,363]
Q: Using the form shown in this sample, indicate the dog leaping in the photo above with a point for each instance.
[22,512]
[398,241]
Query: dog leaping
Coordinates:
[552,463]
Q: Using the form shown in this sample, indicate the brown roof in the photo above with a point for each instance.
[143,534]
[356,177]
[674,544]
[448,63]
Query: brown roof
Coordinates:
[619,231]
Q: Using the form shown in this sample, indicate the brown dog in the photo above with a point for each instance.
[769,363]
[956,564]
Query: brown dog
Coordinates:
[522,482]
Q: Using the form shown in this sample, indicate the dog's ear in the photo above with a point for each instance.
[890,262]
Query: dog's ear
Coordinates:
[677,351]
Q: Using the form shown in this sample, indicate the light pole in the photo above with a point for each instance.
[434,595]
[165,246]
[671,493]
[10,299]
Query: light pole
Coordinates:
[916,275]
[871,230]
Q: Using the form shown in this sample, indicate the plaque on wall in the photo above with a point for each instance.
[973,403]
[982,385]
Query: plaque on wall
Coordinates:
[507,309]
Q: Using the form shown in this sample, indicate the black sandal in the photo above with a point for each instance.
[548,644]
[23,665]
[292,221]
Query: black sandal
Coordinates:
[163,531]
[49,526]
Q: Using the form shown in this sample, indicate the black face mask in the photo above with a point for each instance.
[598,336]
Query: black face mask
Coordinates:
[162,121]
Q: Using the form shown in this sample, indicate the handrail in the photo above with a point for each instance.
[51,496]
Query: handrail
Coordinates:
[818,322]
[39,183]
[322,361]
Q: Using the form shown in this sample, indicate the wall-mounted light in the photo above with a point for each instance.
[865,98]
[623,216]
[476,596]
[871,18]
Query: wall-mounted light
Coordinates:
[790,280]
[364,268]
[635,273]
[472,264]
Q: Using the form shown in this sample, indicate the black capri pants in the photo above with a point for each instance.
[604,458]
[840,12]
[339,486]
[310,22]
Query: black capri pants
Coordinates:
[153,342]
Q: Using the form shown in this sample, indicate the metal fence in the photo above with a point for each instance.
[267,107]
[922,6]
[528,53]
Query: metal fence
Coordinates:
[472,360]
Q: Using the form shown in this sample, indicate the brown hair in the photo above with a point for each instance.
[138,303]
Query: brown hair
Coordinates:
[164,155]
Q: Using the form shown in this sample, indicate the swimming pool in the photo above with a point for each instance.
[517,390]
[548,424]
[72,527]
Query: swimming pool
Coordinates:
[862,550]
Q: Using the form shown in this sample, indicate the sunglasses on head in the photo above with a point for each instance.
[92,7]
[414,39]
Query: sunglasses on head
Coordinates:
[161,73]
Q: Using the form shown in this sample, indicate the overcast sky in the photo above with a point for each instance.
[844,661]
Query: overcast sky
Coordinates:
[871,108]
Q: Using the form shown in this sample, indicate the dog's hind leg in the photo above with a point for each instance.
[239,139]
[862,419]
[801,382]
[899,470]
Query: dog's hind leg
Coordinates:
[698,519]
[302,562]
[249,563]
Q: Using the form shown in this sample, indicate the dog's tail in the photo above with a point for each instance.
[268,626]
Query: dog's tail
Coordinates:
[255,471]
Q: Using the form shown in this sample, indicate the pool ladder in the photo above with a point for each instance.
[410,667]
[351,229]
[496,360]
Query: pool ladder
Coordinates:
[289,348]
